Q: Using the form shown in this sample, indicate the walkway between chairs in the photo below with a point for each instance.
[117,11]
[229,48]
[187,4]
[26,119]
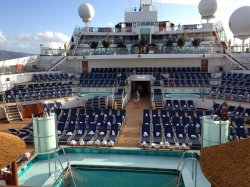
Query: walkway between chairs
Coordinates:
[130,134]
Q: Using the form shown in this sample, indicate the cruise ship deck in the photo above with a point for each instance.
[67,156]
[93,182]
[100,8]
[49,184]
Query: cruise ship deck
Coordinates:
[134,104]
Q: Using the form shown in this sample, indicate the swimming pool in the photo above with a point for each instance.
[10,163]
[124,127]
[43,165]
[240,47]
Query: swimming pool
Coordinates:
[95,176]
[181,96]
[111,161]
[93,94]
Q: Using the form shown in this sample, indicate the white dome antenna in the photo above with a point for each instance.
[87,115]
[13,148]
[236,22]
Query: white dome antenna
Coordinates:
[86,11]
[207,9]
[239,24]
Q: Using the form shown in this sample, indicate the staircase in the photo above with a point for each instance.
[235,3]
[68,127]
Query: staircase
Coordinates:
[238,59]
[157,99]
[118,99]
[12,111]
[158,104]
[54,62]
[118,103]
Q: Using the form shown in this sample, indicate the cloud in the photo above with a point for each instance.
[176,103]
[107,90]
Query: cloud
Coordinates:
[44,37]
[3,39]
[31,43]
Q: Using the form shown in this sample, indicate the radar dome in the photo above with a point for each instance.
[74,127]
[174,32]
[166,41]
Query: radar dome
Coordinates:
[86,11]
[207,8]
[239,22]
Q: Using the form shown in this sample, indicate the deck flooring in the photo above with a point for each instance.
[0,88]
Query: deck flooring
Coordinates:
[130,134]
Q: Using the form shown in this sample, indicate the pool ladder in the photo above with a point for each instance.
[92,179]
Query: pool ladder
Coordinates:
[180,169]
[57,158]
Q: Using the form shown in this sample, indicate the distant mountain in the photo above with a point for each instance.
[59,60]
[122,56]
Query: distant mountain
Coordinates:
[7,55]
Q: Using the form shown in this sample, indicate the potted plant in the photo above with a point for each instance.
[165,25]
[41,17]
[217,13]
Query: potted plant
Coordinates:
[180,42]
[196,42]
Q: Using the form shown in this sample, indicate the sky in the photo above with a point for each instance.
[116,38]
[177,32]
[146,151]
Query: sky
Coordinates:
[25,24]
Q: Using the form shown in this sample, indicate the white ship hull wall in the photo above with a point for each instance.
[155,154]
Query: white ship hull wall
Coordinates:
[74,64]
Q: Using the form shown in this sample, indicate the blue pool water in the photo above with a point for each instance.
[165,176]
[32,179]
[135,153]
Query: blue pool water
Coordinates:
[133,165]
[93,94]
[89,176]
[182,96]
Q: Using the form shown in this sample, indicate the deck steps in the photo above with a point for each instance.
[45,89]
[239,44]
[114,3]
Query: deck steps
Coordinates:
[12,113]
[158,104]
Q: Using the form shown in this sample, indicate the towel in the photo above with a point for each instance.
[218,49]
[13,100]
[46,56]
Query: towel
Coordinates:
[82,142]
[104,142]
[180,135]
[102,133]
[193,136]
[73,142]
[169,135]
[167,144]
[143,144]
[27,154]
[177,145]
[183,145]
[69,133]
[119,124]
[145,134]
[109,124]
[90,142]
[113,133]
[197,125]
[158,133]
[97,142]
[91,133]
[59,132]
[153,145]
[79,132]
[111,143]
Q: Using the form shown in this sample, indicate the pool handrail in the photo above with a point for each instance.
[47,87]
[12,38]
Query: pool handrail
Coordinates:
[194,175]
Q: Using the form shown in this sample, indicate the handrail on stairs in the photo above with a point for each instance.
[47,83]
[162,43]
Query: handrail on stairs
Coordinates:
[5,108]
[194,168]
[19,107]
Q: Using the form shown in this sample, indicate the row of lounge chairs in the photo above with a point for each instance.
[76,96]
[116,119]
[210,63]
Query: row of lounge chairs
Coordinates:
[169,131]
[81,127]
[180,105]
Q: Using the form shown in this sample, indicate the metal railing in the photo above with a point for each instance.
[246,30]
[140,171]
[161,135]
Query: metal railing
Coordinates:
[57,158]
[19,108]
[180,168]
[238,58]
[5,107]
